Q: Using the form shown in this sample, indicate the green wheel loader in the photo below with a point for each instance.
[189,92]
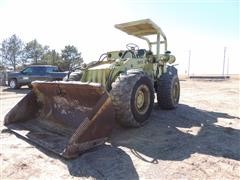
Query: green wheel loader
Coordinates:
[69,117]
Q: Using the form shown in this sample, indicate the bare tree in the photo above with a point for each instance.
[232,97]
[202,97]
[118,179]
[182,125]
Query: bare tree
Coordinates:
[11,51]
[34,51]
[71,56]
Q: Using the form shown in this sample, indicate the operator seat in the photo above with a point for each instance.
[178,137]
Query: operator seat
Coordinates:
[128,54]
[141,53]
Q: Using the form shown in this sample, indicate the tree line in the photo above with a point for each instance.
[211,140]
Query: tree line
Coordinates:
[16,54]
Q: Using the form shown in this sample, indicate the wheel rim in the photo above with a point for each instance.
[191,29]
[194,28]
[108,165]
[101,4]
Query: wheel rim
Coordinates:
[142,99]
[176,92]
[12,84]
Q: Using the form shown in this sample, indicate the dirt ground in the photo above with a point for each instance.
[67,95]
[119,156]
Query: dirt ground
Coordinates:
[198,140]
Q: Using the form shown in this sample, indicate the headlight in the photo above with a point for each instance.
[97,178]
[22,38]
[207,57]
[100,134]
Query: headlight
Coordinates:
[172,59]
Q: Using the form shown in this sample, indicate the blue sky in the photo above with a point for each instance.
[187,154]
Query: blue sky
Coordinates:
[212,17]
[205,27]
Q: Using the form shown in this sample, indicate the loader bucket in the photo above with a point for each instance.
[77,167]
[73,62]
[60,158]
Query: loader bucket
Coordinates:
[66,118]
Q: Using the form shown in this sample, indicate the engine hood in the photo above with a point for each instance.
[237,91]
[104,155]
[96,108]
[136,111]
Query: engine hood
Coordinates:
[101,66]
[97,74]
[14,74]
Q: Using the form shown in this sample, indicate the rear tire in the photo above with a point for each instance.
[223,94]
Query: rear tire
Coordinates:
[133,97]
[168,89]
[13,84]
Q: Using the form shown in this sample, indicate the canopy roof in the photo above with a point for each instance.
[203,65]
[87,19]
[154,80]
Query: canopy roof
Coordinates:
[140,28]
[143,28]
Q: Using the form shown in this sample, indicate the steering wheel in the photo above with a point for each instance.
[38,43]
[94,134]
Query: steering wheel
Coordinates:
[102,57]
[132,47]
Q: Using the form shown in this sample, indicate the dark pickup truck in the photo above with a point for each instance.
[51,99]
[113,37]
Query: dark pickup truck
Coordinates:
[33,73]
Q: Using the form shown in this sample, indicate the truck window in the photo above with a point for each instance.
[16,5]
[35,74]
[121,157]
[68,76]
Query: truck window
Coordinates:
[38,71]
[28,70]
[52,69]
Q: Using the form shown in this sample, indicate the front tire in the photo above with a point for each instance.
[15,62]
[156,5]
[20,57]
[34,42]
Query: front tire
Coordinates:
[133,97]
[13,84]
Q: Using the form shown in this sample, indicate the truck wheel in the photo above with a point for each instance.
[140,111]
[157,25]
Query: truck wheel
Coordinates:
[13,84]
[168,89]
[133,97]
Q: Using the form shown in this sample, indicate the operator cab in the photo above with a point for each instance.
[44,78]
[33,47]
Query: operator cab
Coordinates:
[140,53]
[132,51]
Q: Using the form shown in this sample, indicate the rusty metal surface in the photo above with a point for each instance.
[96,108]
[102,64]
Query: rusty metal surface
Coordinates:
[66,118]
[24,110]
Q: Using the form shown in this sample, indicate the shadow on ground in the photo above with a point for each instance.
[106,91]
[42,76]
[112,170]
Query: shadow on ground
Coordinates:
[22,90]
[164,137]
[161,139]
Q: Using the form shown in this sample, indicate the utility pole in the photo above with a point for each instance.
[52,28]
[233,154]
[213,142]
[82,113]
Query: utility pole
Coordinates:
[189,60]
[224,57]
[228,65]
